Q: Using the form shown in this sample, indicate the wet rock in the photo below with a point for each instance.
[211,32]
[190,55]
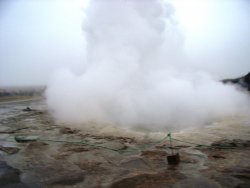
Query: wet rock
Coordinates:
[237,176]
[244,185]
[67,150]
[188,159]
[115,146]
[27,109]
[36,145]
[197,183]
[67,130]
[218,157]
[154,154]
[242,173]
[77,149]
[67,179]
[23,139]
[126,140]
[13,131]
[216,154]
[91,166]
[8,174]
[158,180]
[164,146]
[61,155]
[120,139]
[136,163]
[9,150]
[59,175]
[228,181]
[242,176]
[235,143]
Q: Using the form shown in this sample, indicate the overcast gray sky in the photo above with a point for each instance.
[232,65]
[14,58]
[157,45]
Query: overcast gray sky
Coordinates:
[39,36]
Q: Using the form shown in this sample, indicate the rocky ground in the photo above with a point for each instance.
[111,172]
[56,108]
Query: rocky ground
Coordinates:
[61,156]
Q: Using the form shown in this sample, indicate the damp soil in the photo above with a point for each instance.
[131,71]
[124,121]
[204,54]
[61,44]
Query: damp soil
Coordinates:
[57,155]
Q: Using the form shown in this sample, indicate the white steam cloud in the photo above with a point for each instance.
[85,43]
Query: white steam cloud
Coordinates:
[136,73]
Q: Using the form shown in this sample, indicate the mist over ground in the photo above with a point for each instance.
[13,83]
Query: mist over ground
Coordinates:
[138,73]
[39,37]
[152,64]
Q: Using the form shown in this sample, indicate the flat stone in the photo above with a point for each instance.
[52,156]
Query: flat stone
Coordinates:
[67,130]
[218,157]
[227,181]
[157,180]
[92,167]
[36,145]
[8,174]
[68,179]
[137,163]
[244,185]
[9,150]
[197,183]
[235,143]
[113,146]
[154,154]
[78,149]
[26,138]
[59,175]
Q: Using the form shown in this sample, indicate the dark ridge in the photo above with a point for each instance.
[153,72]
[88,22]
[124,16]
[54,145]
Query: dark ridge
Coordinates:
[243,81]
[21,91]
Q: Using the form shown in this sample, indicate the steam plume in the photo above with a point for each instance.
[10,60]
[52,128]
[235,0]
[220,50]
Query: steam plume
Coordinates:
[136,73]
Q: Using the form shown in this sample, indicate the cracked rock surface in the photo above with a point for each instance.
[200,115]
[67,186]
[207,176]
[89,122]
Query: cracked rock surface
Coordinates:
[66,156]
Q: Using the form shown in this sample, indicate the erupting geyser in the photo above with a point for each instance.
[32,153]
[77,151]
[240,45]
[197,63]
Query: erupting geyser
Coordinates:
[136,73]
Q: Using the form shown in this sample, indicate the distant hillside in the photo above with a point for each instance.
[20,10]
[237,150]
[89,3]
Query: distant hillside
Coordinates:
[21,91]
[243,81]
